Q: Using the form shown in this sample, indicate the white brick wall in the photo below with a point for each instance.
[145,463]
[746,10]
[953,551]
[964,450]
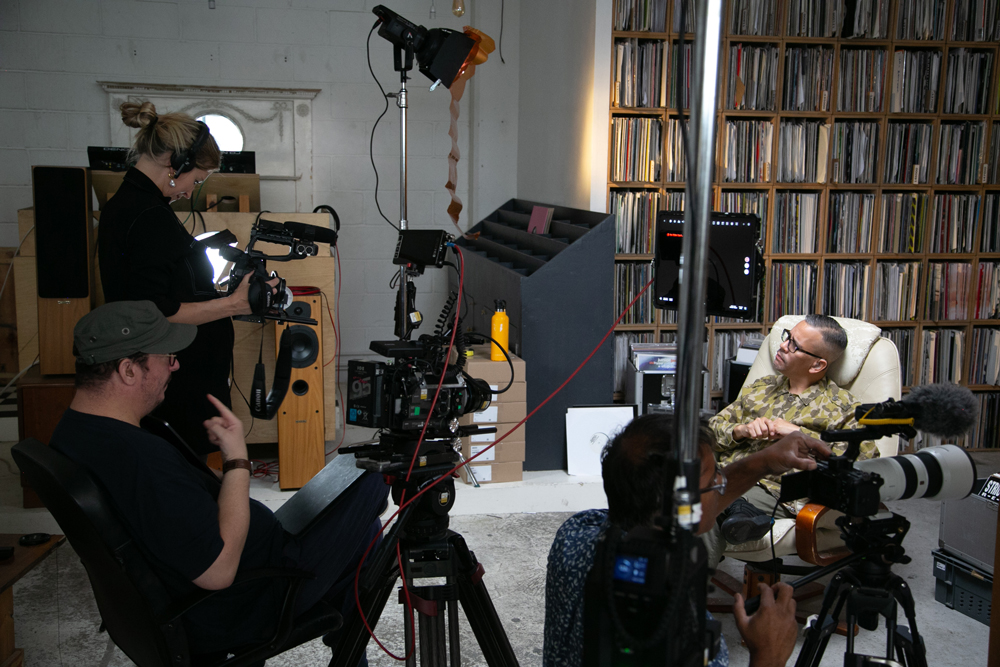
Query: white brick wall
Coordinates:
[52,53]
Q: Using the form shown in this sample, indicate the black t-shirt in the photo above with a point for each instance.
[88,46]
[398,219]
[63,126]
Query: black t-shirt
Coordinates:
[170,509]
[145,254]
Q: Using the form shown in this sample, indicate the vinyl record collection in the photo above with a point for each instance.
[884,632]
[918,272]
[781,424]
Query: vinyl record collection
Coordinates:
[947,295]
[850,222]
[795,216]
[640,73]
[747,151]
[968,81]
[845,289]
[908,153]
[916,76]
[808,78]
[960,147]
[802,151]
[920,19]
[953,224]
[897,291]
[942,352]
[753,77]
[792,289]
[903,339]
[752,17]
[902,221]
[855,152]
[862,80]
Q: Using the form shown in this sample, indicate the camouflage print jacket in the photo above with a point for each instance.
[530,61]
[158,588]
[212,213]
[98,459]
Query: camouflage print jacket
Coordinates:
[824,406]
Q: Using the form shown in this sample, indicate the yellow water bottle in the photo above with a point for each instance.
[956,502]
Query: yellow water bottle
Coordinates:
[499,331]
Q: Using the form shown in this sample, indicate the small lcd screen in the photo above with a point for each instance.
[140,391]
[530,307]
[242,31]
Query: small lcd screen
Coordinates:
[631,569]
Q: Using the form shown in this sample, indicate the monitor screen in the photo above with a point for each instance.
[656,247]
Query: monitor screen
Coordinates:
[733,263]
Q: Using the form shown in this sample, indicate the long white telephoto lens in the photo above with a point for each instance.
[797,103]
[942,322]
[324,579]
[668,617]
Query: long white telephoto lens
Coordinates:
[945,472]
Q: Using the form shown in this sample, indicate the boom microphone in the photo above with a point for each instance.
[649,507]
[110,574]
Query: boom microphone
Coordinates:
[312,232]
[947,410]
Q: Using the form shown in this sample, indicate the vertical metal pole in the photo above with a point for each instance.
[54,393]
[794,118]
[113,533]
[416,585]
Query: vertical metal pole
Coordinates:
[401,101]
[697,209]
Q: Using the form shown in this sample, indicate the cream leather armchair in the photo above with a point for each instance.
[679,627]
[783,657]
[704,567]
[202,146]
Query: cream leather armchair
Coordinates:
[870,370]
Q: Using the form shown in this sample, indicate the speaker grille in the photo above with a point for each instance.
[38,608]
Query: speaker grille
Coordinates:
[305,346]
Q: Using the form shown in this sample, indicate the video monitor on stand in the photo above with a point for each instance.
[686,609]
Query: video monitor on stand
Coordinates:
[735,264]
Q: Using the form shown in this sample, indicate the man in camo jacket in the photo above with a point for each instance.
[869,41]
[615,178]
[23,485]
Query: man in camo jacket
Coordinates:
[802,399]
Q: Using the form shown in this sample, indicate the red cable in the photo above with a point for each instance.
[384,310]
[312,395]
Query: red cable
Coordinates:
[403,505]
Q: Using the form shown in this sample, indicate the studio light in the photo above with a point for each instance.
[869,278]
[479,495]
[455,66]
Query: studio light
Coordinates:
[442,54]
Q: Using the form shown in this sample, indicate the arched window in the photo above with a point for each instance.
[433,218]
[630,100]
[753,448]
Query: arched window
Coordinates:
[226,133]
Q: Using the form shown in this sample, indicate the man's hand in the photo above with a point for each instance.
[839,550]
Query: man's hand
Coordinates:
[770,633]
[761,428]
[226,432]
[783,428]
[794,451]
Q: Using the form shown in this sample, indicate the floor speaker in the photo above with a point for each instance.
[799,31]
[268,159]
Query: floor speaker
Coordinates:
[301,436]
[63,241]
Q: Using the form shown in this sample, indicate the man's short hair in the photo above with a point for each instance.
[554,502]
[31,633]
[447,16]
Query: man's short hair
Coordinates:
[834,336]
[92,376]
[632,466]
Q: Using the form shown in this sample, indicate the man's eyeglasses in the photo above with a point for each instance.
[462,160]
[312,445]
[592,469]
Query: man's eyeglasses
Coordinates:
[721,486]
[793,347]
[171,358]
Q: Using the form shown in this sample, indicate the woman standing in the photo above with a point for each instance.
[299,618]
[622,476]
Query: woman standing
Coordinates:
[146,254]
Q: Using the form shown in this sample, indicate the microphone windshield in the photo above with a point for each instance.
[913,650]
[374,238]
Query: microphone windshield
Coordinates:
[942,409]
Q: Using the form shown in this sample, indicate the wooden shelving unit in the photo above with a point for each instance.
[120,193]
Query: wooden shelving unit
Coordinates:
[985,182]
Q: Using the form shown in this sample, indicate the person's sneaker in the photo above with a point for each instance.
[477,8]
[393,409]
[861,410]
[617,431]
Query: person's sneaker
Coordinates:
[742,522]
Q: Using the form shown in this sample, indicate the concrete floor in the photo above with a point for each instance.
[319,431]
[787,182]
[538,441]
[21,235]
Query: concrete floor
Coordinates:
[509,527]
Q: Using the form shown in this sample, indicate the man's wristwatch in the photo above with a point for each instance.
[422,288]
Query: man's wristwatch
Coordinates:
[233,464]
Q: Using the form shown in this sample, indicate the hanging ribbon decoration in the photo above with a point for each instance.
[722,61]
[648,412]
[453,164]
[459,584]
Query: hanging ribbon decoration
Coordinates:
[484,47]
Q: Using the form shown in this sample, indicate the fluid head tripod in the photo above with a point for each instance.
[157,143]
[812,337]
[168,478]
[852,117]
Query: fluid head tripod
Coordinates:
[867,586]
[427,549]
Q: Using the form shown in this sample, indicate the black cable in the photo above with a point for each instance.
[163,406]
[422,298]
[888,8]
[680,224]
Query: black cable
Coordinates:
[501,33]
[371,140]
[232,371]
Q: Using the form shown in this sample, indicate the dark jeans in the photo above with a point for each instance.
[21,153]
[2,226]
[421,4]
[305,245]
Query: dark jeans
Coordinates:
[332,547]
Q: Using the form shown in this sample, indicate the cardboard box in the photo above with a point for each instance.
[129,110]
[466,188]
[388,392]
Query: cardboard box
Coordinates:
[480,366]
[486,438]
[491,473]
[498,413]
[505,452]
[516,393]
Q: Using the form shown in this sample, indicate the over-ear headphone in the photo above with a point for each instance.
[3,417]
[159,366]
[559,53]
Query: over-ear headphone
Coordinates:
[183,162]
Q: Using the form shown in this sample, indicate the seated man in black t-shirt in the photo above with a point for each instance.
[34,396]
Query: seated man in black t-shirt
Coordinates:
[198,531]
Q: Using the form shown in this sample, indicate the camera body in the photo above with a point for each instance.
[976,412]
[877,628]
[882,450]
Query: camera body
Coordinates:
[397,396]
[269,302]
[837,484]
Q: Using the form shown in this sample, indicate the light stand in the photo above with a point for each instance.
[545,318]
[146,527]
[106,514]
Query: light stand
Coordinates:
[402,63]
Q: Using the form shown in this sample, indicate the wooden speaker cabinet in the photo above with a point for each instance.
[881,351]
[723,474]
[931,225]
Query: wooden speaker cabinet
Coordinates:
[64,241]
[41,402]
[301,435]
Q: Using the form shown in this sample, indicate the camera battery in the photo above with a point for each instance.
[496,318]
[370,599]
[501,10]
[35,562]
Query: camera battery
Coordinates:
[365,393]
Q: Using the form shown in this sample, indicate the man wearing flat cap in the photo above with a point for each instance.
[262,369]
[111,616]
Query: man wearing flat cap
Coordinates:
[197,531]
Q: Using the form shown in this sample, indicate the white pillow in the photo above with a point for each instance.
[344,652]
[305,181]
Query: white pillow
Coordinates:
[860,338]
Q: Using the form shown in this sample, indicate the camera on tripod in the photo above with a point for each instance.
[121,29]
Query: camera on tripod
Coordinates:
[856,488]
[398,396]
[251,264]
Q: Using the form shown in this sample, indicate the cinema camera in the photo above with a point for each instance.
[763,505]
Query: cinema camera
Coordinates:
[251,264]
[396,397]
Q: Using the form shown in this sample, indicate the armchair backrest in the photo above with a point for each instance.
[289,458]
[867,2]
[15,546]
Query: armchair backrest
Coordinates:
[129,594]
[869,369]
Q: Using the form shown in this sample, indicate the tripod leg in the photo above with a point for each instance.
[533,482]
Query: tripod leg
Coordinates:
[910,647]
[818,634]
[453,638]
[479,607]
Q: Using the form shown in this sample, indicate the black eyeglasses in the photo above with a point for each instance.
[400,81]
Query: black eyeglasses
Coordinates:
[721,486]
[793,347]
[171,358]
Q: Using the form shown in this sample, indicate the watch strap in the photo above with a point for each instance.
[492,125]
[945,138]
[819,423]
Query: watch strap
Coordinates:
[233,464]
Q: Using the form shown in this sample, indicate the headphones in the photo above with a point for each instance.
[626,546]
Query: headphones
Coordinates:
[183,162]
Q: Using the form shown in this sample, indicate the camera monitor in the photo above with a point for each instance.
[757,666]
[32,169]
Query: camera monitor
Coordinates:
[734,265]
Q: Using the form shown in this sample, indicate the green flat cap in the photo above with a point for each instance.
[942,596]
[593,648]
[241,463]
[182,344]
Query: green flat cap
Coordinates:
[123,328]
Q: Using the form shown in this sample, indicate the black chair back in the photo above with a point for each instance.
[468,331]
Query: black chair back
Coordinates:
[129,594]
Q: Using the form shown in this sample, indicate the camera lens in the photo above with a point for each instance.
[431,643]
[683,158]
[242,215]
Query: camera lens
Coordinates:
[945,472]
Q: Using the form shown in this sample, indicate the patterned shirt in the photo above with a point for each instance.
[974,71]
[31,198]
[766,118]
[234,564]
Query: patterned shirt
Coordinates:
[570,559]
[823,406]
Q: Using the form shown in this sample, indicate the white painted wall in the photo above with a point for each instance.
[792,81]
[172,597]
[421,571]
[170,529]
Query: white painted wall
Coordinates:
[52,53]
[556,115]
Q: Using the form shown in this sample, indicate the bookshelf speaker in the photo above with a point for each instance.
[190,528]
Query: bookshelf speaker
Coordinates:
[63,240]
[301,436]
